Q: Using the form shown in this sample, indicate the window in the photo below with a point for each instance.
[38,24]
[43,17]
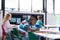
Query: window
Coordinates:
[31,5]
[49,6]
[11,5]
[37,5]
[25,5]
[0,4]
[58,19]
[57,6]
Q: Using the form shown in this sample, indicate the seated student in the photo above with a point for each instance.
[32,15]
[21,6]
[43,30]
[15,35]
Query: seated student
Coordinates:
[33,24]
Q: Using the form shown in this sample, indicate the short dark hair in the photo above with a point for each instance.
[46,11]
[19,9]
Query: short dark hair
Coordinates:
[34,16]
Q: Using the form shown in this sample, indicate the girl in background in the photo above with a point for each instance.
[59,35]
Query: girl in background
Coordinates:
[6,26]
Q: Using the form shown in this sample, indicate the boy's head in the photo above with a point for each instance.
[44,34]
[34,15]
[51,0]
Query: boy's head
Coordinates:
[33,19]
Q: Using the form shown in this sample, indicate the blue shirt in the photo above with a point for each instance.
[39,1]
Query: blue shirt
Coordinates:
[37,25]
[23,25]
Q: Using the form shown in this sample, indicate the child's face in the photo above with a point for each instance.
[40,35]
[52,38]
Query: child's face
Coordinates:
[33,20]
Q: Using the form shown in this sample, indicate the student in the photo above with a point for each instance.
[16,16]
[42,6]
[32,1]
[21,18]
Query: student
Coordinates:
[33,24]
[7,26]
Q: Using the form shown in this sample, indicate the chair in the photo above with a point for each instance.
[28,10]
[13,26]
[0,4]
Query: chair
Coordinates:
[15,31]
[3,33]
[32,36]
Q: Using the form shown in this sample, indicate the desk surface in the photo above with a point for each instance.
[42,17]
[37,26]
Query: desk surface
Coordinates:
[45,33]
[48,35]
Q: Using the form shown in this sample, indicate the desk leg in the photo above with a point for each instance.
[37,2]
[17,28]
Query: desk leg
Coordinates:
[39,37]
[47,38]
[43,38]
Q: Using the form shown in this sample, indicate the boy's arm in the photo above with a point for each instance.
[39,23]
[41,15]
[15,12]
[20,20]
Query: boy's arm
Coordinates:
[32,30]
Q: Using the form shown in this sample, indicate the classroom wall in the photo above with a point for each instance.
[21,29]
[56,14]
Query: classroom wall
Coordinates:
[51,19]
[1,23]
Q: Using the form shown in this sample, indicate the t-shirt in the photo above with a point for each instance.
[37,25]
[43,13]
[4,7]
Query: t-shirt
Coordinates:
[25,23]
[6,26]
[39,23]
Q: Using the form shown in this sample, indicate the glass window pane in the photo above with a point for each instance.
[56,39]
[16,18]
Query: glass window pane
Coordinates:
[50,6]
[57,6]
[58,19]
[37,5]
[9,4]
[0,4]
[25,5]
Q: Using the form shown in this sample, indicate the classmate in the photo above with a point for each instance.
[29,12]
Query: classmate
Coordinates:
[7,26]
[33,24]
